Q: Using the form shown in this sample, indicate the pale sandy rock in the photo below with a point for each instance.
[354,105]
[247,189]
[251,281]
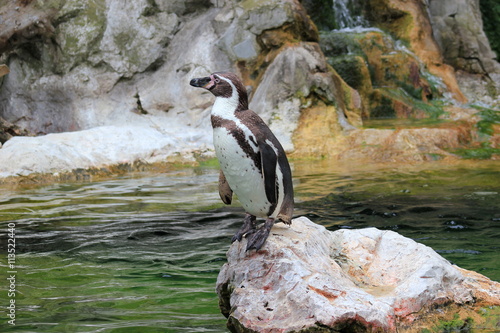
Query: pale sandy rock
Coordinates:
[306,278]
[404,145]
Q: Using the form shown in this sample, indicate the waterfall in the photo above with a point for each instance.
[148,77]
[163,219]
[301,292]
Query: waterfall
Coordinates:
[348,14]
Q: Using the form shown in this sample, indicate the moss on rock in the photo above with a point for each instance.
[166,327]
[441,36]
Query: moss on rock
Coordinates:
[389,78]
[353,70]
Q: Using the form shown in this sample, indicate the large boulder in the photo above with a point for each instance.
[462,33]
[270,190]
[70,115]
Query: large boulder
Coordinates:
[458,30]
[293,84]
[309,279]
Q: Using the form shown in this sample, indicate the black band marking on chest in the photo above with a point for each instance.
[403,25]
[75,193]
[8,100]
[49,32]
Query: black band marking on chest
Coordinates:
[240,137]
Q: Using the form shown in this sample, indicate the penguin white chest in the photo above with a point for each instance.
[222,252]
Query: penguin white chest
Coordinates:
[241,171]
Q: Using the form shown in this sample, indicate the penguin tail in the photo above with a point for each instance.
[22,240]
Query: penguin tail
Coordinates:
[287,220]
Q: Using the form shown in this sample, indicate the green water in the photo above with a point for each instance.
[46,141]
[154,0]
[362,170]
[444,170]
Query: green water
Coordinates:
[395,123]
[142,253]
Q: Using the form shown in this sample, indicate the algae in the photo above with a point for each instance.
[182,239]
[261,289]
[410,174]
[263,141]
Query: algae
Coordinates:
[341,43]
[390,79]
[322,13]
[489,117]
[482,149]
[481,153]
[208,163]
[454,325]
[351,69]
[80,28]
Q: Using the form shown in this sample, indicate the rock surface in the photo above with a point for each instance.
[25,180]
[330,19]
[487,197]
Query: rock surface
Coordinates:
[76,65]
[458,29]
[95,148]
[308,279]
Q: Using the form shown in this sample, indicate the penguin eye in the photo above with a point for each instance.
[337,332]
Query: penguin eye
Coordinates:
[217,80]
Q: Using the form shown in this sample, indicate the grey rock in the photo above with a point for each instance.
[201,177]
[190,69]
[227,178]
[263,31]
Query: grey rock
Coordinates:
[132,41]
[297,73]
[458,29]
[107,57]
[116,64]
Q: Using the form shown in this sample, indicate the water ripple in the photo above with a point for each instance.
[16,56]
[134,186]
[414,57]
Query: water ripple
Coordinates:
[142,254]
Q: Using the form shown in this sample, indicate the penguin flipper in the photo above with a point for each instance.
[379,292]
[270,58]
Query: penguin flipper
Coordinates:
[225,192]
[269,161]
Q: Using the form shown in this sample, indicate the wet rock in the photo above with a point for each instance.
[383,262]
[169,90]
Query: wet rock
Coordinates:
[480,88]
[409,21]
[309,279]
[388,76]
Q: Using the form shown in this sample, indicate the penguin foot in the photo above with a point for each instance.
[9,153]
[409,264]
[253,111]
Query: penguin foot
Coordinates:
[259,237]
[248,225]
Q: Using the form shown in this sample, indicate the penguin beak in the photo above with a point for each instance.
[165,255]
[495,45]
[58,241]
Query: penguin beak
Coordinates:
[202,82]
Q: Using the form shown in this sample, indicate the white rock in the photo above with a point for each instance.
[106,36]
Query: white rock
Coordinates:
[96,147]
[307,277]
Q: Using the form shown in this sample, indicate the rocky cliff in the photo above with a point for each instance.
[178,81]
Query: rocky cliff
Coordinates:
[77,65]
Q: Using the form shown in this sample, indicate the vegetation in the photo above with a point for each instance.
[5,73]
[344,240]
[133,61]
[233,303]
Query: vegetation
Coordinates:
[489,117]
[350,68]
[321,12]
[490,10]
[454,325]
[485,128]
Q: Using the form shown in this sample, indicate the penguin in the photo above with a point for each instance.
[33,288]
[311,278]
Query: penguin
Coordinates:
[253,163]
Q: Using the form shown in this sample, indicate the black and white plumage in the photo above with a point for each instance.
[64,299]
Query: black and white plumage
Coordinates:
[253,163]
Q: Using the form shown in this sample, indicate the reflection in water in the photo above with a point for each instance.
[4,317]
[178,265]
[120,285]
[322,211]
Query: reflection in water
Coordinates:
[142,254]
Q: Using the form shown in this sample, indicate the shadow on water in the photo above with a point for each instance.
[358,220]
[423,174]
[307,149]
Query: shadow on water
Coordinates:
[142,254]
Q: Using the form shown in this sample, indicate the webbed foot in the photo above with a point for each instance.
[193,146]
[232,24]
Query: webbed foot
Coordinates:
[259,237]
[248,225]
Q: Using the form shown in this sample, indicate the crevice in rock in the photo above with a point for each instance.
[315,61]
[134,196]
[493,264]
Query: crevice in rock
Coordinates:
[478,61]
[8,130]
[151,9]
[140,108]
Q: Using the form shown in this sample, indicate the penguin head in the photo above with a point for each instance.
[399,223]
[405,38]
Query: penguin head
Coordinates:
[223,84]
